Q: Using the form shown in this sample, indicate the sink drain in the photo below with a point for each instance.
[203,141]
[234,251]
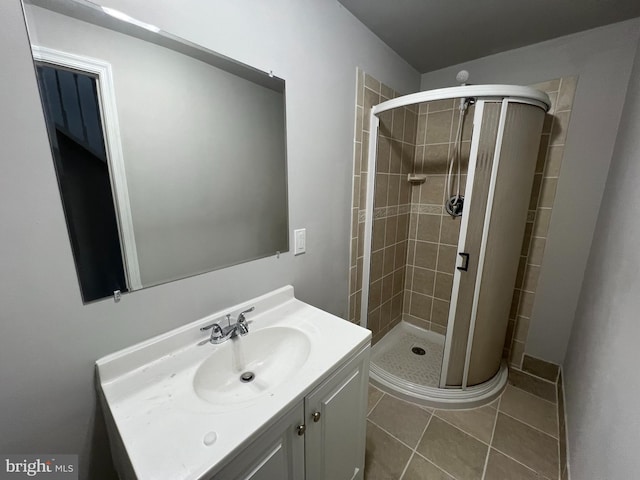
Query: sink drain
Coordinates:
[418,350]
[247,377]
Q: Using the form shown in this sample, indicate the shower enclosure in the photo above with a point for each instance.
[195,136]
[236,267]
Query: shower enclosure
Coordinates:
[465,192]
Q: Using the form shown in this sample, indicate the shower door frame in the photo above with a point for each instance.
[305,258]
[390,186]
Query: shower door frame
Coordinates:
[503,94]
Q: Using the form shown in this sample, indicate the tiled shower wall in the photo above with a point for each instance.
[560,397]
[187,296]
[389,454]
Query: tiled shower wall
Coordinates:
[432,235]
[554,133]
[396,147]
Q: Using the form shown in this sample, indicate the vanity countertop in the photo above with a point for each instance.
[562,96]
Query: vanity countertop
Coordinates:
[160,428]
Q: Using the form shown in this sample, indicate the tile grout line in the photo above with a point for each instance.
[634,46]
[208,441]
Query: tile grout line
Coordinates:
[493,432]
[376,404]
[462,430]
[414,450]
[528,425]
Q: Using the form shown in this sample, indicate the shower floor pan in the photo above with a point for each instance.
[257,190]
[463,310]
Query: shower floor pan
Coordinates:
[407,363]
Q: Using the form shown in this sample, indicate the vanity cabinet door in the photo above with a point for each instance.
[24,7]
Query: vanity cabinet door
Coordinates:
[335,416]
[276,454]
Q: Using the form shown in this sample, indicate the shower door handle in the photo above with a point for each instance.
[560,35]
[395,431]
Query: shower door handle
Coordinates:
[465,265]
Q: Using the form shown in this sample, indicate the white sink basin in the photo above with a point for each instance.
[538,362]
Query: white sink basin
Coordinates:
[243,369]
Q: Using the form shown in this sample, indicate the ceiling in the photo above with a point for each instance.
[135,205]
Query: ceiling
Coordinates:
[432,34]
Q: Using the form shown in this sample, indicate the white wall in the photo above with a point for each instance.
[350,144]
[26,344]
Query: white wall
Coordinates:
[602,59]
[48,339]
[601,368]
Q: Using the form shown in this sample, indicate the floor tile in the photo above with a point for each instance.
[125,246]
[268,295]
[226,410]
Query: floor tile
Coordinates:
[374,396]
[530,409]
[501,467]
[401,419]
[453,451]
[527,445]
[477,422]
[385,456]
[421,469]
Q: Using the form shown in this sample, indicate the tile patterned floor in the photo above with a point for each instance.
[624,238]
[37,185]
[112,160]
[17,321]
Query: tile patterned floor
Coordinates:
[513,438]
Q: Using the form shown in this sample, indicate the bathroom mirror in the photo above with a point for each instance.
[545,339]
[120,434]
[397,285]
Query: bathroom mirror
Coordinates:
[170,158]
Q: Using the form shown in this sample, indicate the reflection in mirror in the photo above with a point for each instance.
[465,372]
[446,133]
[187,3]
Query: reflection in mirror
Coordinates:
[171,159]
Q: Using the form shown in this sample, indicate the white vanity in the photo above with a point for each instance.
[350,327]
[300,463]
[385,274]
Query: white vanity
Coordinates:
[287,400]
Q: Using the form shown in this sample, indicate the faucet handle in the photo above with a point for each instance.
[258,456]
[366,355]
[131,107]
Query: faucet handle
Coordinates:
[216,332]
[243,326]
[241,318]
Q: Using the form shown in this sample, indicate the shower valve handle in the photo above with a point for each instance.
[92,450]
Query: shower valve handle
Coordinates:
[465,265]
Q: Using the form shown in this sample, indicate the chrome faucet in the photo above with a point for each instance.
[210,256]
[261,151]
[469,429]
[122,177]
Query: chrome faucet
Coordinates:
[222,334]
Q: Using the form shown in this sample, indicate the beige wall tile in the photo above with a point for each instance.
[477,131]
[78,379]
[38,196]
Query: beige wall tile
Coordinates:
[387,91]
[375,294]
[426,255]
[440,312]
[428,228]
[548,192]
[382,188]
[378,234]
[371,98]
[418,322]
[521,330]
[393,194]
[421,306]
[387,288]
[532,410]
[447,256]
[453,451]
[384,155]
[373,321]
[560,127]
[435,159]
[541,225]
[526,304]
[567,93]
[376,265]
[410,120]
[439,105]
[439,126]
[371,83]
[531,278]
[450,230]
[535,366]
[397,131]
[554,161]
[534,385]
[388,262]
[432,191]
[534,449]
[536,250]
[517,351]
[423,281]
[443,286]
